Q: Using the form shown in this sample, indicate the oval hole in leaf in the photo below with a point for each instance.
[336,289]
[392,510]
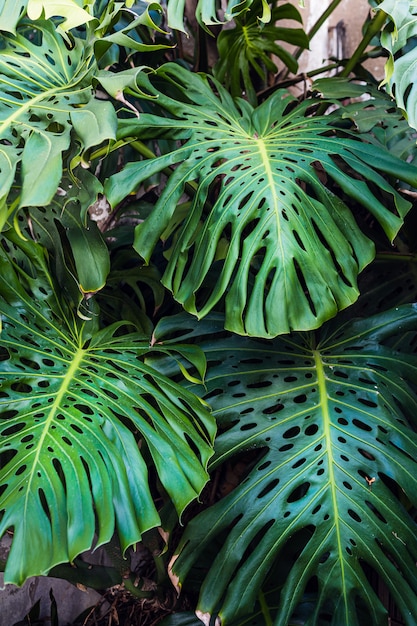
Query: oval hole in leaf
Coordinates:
[269,487]
[20,470]
[11,430]
[354,515]
[299,463]
[213,393]
[248,426]
[324,557]
[299,492]
[368,403]
[264,465]
[21,387]
[300,399]
[260,384]
[292,432]
[376,512]
[60,473]
[44,502]
[340,374]
[367,455]
[275,408]
[29,363]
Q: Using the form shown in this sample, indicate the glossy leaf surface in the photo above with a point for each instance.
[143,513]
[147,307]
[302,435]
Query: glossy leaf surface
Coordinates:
[284,249]
[10,13]
[207,11]
[71,10]
[330,427]
[45,95]
[245,50]
[399,39]
[77,406]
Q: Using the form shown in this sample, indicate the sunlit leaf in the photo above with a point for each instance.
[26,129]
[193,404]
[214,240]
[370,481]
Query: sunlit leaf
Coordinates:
[399,38]
[10,13]
[267,180]
[78,407]
[73,13]
[46,94]
[206,12]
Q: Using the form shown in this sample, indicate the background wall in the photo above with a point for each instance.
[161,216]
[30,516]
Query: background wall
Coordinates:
[339,35]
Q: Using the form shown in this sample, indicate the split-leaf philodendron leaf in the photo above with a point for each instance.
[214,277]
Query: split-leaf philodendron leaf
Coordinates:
[207,12]
[398,38]
[330,423]
[247,48]
[286,249]
[76,408]
[45,95]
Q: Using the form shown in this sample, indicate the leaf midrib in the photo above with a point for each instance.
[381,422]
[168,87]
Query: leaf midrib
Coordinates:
[66,382]
[270,178]
[324,401]
[24,108]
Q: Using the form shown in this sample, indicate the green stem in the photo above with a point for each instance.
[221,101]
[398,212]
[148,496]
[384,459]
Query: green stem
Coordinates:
[374,27]
[105,150]
[388,256]
[284,84]
[135,591]
[323,17]
[190,187]
[265,609]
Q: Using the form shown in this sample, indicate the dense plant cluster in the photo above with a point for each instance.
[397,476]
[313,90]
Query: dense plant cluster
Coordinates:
[207,299]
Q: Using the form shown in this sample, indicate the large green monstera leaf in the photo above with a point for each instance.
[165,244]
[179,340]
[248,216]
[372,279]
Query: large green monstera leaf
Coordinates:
[266,231]
[326,424]
[398,38]
[45,96]
[246,48]
[77,407]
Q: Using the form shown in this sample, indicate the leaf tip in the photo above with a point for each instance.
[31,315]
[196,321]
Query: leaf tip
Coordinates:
[164,534]
[206,617]
[173,577]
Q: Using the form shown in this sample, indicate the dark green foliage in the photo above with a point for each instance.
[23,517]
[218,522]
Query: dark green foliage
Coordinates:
[286,227]
[332,417]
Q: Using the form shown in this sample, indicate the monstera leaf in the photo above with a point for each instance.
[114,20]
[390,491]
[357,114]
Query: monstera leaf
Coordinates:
[10,14]
[207,12]
[327,427]
[265,215]
[46,94]
[78,408]
[249,45]
[399,38]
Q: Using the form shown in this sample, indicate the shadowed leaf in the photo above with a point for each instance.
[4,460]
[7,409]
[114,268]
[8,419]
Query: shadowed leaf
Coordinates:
[76,409]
